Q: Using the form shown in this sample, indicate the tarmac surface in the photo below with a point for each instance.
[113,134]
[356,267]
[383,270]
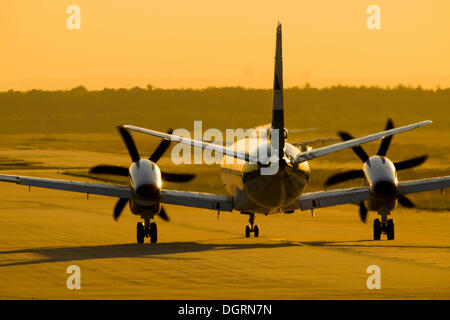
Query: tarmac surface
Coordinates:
[297,256]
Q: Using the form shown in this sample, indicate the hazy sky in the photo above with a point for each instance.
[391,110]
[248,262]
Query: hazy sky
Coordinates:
[200,43]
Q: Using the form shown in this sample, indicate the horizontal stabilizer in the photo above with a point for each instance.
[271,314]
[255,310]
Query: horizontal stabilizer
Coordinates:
[319,152]
[199,144]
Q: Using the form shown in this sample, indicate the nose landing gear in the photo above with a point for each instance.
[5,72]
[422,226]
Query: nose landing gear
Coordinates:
[252,227]
[147,230]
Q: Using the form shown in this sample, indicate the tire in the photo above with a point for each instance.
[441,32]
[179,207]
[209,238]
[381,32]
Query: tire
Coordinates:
[153,233]
[247,231]
[140,232]
[256,231]
[376,229]
[390,229]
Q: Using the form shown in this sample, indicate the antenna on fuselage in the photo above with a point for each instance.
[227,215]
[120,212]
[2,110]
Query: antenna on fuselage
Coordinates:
[278,103]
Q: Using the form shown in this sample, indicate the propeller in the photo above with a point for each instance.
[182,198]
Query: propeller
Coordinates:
[112,170]
[363,212]
[120,204]
[177,177]
[157,154]
[344,176]
[163,214]
[134,154]
[404,201]
[410,163]
[382,151]
[162,147]
[357,149]
[129,142]
[386,141]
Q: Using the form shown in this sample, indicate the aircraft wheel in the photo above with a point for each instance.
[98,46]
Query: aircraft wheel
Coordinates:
[140,232]
[247,231]
[153,233]
[376,229]
[256,230]
[390,229]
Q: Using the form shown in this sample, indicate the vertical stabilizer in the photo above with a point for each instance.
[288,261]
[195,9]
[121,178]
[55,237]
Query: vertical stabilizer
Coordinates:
[278,104]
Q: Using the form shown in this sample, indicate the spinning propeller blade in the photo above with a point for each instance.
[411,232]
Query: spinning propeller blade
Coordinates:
[129,142]
[385,142]
[344,176]
[163,214]
[363,212]
[113,170]
[404,201]
[177,177]
[358,149]
[410,163]
[162,147]
[119,207]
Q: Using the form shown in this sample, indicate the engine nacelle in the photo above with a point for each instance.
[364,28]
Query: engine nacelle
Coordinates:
[145,179]
[381,175]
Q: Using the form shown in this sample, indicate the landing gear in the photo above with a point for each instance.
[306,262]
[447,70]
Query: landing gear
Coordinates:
[148,230]
[247,231]
[390,229]
[380,227]
[376,229]
[252,227]
[256,231]
[153,233]
[140,233]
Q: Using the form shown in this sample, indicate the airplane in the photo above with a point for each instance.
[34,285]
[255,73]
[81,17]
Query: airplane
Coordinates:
[268,182]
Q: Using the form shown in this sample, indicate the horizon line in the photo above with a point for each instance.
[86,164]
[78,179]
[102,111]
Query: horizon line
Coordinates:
[150,87]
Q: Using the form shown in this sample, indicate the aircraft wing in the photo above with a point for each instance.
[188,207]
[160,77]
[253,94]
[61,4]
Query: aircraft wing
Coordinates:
[321,199]
[74,186]
[197,200]
[423,185]
[198,143]
[308,155]
[184,198]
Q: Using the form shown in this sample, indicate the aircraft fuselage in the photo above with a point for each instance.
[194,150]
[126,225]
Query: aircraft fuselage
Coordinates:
[254,192]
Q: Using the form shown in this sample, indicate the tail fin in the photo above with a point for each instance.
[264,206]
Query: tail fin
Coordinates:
[278,104]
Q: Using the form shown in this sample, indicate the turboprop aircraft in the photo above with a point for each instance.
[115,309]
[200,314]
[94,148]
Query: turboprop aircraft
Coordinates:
[269,175]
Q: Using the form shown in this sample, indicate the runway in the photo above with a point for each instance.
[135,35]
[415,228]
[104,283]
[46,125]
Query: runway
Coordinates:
[198,256]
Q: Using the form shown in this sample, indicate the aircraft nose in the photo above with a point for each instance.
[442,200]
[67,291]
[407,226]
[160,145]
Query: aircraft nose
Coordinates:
[148,191]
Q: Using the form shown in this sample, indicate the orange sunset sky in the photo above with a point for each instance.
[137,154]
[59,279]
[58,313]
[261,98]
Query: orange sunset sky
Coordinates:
[178,43]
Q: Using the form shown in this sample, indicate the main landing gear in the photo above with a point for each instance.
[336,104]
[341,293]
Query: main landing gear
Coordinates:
[252,227]
[383,227]
[147,230]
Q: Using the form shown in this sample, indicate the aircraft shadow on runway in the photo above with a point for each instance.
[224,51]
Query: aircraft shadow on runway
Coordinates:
[354,244]
[61,254]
